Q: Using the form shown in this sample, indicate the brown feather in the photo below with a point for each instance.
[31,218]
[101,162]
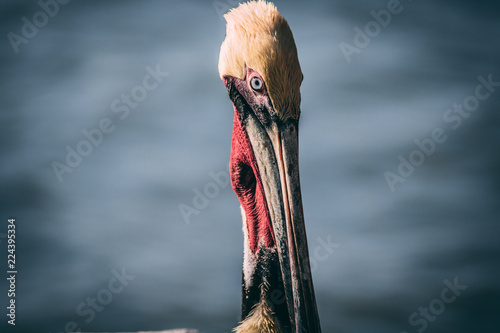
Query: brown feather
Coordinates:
[261,319]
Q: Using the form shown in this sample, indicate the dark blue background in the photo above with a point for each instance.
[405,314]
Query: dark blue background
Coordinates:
[120,207]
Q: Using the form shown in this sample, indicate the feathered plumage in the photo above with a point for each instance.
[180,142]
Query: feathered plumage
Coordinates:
[259,37]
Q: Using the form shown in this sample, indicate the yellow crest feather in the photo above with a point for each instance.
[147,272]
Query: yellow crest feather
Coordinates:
[258,37]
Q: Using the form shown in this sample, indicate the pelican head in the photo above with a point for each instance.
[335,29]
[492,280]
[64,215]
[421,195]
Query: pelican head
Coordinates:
[260,68]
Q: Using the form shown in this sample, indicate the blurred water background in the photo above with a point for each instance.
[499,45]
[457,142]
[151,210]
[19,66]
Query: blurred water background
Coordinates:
[119,208]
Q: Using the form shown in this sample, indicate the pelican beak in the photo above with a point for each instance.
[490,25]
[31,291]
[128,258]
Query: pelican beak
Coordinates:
[265,176]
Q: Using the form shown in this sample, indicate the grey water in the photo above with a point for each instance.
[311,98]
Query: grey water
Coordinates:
[399,178]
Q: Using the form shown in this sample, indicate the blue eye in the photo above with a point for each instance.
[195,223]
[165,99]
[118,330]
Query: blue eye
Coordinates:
[256,83]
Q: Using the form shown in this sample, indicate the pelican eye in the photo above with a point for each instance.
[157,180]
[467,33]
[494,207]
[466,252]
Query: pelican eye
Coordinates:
[256,83]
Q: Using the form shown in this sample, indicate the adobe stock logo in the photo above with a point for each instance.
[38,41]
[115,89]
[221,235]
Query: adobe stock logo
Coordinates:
[96,303]
[455,117]
[30,28]
[321,252]
[122,107]
[222,7]
[425,315]
[372,29]
[202,197]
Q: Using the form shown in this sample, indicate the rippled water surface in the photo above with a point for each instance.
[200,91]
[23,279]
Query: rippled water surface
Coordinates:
[116,212]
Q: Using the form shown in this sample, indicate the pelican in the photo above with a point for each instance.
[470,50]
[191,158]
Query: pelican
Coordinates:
[259,66]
